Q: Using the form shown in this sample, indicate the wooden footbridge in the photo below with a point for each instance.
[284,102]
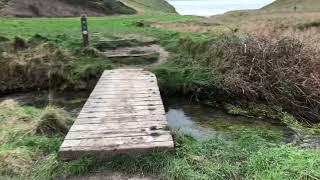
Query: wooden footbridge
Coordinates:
[123,115]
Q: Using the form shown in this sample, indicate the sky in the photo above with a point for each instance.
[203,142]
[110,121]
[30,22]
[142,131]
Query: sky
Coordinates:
[213,7]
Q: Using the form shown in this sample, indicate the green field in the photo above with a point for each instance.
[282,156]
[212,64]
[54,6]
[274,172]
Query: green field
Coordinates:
[99,27]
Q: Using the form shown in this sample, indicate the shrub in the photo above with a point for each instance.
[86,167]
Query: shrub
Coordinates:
[282,72]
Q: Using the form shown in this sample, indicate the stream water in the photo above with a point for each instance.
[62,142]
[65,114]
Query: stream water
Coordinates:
[203,122]
[198,121]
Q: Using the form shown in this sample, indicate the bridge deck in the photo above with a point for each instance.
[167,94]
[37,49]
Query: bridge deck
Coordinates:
[124,114]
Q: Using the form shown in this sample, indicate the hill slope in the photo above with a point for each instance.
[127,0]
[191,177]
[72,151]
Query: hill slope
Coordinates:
[65,8]
[150,6]
[289,5]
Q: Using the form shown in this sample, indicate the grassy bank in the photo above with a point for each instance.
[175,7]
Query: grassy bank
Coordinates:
[31,137]
[38,63]
[243,68]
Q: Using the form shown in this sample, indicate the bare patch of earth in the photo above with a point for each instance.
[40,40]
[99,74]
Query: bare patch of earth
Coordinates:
[140,51]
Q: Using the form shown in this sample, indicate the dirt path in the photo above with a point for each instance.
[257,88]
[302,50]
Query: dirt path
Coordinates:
[140,51]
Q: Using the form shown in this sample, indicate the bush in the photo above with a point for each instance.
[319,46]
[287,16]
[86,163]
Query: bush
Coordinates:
[282,72]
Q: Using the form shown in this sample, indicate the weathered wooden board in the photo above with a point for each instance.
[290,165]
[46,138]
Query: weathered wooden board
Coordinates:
[124,114]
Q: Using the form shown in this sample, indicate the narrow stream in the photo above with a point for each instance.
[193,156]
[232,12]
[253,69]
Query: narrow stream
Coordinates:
[198,121]
[203,122]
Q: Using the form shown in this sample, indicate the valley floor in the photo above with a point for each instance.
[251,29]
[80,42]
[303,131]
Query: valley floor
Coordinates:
[44,56]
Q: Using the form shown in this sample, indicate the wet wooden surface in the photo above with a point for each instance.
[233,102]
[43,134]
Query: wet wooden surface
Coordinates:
[124,114]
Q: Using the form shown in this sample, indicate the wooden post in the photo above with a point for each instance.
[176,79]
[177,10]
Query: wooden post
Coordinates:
[84,28]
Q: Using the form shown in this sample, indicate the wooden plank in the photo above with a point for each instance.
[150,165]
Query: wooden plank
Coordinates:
[108,152]
[121,104]
[146,125]
[123,125]
[132,109]
[138,97]
[165,144]
[102,134]
[121,90]
[115,141]
[117,131]
[128,118]
[110,112]
[124,114]
[126,92]
[107,122]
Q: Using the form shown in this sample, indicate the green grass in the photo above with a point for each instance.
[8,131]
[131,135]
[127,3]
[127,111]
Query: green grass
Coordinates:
[66,31]
[181,75]
[250,154]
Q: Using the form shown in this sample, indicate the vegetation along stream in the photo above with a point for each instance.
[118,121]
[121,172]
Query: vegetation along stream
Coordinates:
[241,89]
[201,122]
[200,131]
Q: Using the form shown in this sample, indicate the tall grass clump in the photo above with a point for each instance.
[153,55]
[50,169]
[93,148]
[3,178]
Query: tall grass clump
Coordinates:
[37,64]
[282,72]
[21,145]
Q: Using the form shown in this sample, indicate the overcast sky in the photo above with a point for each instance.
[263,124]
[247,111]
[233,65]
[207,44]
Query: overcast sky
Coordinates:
[213,7]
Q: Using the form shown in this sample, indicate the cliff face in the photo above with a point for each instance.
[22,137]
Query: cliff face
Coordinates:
[62,8]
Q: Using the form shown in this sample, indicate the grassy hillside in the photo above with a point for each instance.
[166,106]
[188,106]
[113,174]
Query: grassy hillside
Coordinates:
[289,5]
[150,6]
[67,8]
[280,17]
